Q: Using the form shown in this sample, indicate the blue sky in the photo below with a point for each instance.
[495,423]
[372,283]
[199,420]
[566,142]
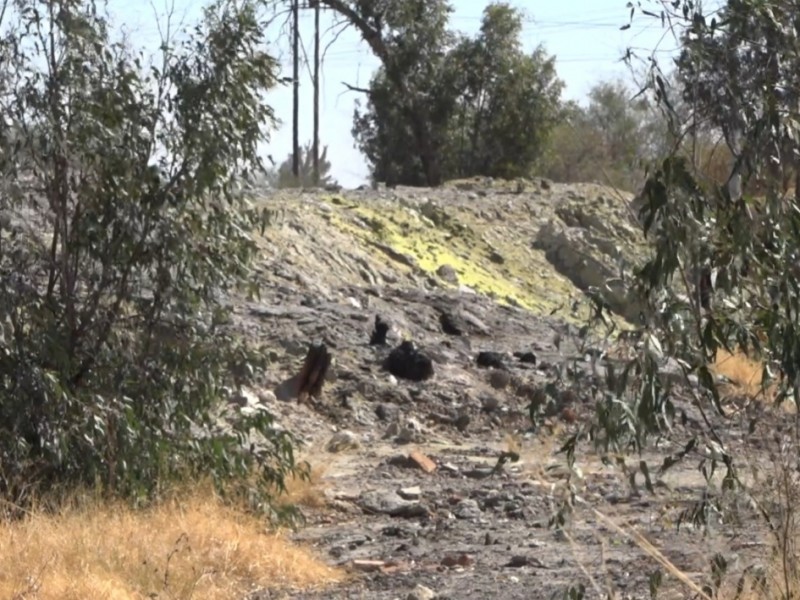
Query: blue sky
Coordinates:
[584,36]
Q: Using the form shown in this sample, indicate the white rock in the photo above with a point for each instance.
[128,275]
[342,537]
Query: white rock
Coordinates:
[420,592]
[410,493]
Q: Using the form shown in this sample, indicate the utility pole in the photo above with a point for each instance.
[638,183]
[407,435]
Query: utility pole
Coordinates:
[296,107]
[316,91]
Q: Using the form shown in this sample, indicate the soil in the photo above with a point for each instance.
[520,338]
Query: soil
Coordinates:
[471,527]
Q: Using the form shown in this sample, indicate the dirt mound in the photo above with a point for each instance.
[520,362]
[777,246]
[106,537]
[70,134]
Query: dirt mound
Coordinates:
[534,245]
[433,324]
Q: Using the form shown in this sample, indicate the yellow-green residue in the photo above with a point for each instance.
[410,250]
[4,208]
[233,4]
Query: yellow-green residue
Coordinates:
[524,278]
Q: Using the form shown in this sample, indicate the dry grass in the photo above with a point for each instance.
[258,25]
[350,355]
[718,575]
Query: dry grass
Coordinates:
[194,547]
[745,374]
[309,493]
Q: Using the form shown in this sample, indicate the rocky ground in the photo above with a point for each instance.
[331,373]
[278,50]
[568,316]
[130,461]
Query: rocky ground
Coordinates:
[437,484]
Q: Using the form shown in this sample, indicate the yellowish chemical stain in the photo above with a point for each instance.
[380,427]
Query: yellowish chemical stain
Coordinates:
[523,278]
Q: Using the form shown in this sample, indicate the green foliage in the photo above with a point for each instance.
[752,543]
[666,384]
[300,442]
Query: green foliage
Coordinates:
[727,63]
[607,141]
[747,246]
[123,234]
[410,37]
[486,106]
[722,274]
[508,100]
[283,177]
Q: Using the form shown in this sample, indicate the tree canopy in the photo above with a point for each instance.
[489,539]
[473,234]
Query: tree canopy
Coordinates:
[720,278]
[443,105]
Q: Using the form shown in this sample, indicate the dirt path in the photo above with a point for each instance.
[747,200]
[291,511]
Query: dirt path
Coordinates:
[462,537]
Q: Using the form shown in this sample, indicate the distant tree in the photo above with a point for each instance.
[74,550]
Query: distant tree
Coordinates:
[444,106]
[619,121]
[605,141]
[508,101]
[573,152]
[283,177]
[410,37]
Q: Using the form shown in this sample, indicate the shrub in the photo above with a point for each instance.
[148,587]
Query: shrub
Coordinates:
[124,231]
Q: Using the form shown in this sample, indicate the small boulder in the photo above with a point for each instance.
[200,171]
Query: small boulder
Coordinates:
[379,332]
[448,274]
[410,493]
[499,379]
[451,323]
[386,412]
[344,440]
[390,503]
[490,403]
[411,432]
[468,508]
[406,362]
[420,592]
[488,359]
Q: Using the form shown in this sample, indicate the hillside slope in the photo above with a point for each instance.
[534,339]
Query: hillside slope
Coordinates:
[532,245]
[482,279]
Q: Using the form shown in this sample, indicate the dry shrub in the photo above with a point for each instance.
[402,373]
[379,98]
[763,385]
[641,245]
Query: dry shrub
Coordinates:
[307,492]
[189,547]
[745,374]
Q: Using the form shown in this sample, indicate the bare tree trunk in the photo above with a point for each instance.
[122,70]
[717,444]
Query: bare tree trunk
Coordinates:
[425,144]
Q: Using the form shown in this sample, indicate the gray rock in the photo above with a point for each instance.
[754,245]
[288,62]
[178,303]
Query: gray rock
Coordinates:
[390,503]
[490,403]
[499,379]
[343,440]
[406,435]
[447,273]
[420,592]
[410,493]
[468,508]
[412,431]
[392,430]
[266,396]
[479,473]
[386,412]
[294,347]
[589,242]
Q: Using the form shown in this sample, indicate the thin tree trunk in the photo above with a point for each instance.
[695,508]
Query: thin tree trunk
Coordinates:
[426,148]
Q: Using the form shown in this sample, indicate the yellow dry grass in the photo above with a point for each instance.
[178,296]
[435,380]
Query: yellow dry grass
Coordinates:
[190,547]
[305,492]
[745,374]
